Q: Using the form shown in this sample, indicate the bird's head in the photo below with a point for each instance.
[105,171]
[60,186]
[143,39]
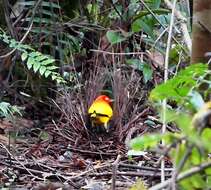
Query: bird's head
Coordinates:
[104,98]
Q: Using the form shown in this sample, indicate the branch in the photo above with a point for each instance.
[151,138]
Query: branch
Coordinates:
[114,171]
[27,32]
[182,176]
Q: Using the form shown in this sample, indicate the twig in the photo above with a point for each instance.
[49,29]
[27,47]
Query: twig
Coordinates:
[91,152]
[144,167]
[113,53]
[135,174]
[182,176]
[165,80]
[4,147]
[44,174]
[114,171]
[60,133]
[90,170]
[7,19]
[136,118]
[27,32]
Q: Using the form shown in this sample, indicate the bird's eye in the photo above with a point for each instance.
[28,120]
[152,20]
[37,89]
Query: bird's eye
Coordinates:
[106,99]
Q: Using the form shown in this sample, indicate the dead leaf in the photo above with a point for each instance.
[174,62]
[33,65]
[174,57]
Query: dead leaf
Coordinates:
[157,58]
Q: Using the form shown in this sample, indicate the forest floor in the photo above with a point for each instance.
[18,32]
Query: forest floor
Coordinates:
[39,151]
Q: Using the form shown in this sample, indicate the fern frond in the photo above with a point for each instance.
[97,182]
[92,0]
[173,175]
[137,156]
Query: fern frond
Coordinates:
[36,61]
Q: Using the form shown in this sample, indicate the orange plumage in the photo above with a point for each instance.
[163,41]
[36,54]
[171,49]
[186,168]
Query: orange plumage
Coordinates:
[100,111]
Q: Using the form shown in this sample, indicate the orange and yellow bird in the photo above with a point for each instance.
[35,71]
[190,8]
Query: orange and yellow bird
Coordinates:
[100,112]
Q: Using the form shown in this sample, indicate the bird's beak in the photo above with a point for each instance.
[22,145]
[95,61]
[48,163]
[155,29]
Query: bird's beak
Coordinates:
[111,100]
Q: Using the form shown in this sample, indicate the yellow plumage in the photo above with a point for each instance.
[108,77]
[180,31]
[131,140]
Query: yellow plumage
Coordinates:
[100,112]
[203,117]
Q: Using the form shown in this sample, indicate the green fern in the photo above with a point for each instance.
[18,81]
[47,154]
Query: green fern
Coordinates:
[8,111]
[35,60]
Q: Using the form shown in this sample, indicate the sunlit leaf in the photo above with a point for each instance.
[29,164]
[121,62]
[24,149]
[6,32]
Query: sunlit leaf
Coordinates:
[47,73]
[24,56]
[179,86]
[36,66]
[196,99]
[30,62]
[145,141]
[195,156]
[42,70]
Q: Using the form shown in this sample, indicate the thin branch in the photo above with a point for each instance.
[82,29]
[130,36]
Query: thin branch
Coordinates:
[112,53]
[114,171]
[10,154]
[144,167]
[27,32]
[165,80]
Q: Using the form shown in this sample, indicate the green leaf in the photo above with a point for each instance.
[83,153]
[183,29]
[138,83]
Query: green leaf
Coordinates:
[42,70]
[208,182]
[195,157]
[36,66]
[53,77]
[147,27]
[24,56]
[48,61]
[179,86]
[135,63]
[196,99]
[183,120]
[47,73]
[145,141]
[197,181]
[44,136]
[4,108]
[7,110]
[136,26]
[175,54]
[205,139]
[115,37]
[35,54]
[41,58]
[52,67]
[142,66]
[30,62]
[147,72]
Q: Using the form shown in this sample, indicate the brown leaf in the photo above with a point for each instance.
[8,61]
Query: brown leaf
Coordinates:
[157,58]
[79,163]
